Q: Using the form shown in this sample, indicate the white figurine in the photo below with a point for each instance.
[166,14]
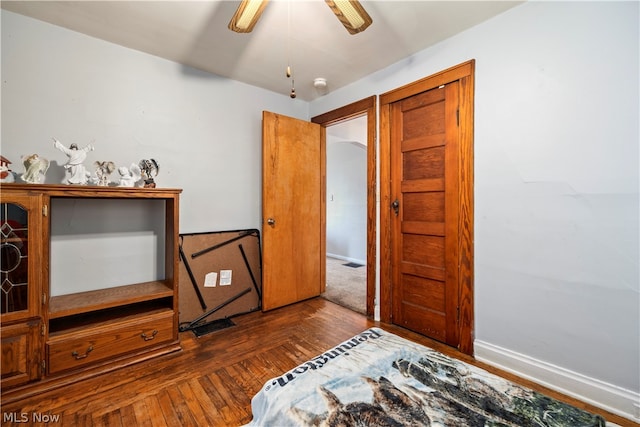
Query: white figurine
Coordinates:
[103,170]
[6,174]
[129,176]
[75,173]
[35,168]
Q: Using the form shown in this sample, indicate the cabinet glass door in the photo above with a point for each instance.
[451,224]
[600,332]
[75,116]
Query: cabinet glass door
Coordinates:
[14,251]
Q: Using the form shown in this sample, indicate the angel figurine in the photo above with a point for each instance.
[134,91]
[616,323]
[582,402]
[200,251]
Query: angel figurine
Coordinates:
[149,168]
[35,167]
[103,170]
[129,176]
[75,172]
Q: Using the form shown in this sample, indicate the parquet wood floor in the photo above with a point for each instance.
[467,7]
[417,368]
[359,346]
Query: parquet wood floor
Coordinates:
[212,380]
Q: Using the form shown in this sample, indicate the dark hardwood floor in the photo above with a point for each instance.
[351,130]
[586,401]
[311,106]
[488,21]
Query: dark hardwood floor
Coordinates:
[212,380]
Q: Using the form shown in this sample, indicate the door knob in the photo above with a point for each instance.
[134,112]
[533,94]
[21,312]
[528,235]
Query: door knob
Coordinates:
[396,206]
[271,221]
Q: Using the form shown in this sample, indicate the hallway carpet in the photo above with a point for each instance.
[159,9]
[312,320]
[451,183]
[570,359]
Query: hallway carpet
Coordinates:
[346,286]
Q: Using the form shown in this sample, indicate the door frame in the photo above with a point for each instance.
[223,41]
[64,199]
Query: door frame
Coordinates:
[464,73]
[364,107]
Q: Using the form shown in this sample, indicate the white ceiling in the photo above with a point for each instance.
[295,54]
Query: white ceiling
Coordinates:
[312,41]
[350,130]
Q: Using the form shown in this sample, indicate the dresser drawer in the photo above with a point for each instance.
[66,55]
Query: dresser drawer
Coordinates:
[92,345]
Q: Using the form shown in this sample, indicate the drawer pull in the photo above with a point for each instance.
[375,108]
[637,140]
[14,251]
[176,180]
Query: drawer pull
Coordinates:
[149,337]
[82,356]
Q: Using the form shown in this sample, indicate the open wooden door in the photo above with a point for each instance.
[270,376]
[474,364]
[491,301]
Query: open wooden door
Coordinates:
[293,210]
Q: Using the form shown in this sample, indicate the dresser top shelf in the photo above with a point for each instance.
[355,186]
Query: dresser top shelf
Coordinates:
[93,191]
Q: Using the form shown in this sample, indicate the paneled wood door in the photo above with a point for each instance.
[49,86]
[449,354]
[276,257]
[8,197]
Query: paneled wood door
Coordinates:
[425,170]
[427,137]
[293,261]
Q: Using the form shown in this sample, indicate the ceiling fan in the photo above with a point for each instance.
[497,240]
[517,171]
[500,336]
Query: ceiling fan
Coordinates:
[350,13]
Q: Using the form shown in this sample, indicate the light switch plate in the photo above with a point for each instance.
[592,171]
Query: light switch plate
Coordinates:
[225,277]
[210,280]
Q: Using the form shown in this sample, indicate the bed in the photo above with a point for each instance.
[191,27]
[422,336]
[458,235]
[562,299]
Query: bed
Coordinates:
[377,378]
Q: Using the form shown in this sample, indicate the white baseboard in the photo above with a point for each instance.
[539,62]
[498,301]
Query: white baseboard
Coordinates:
[344,258]
[609,397]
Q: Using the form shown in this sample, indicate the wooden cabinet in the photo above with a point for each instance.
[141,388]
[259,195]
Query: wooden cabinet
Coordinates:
[21,278]
[21,352]
[51,337]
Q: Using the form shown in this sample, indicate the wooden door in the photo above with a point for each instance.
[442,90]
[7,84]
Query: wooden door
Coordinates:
[21,272]
[426,164]
[21,349]
[293,210]
[425,218]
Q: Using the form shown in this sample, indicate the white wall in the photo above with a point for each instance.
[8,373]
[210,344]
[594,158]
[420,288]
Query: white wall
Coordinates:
[556,190]
[204,130]
[556,164]
[347,199]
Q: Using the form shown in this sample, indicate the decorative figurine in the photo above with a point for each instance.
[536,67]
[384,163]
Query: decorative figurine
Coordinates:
[149,168]
[6,175]
[103,170]
[129,176]
[75,172]
[35,168]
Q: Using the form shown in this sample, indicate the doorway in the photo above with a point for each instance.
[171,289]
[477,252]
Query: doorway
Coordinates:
[346,214]
[363,114]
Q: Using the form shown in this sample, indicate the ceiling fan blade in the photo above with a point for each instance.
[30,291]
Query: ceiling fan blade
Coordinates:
[247,15]
[352,15]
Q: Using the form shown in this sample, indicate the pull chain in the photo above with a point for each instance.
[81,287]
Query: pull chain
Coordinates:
[289,73]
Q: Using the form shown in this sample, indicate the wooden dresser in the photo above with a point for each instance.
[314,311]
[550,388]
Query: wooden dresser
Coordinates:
[50,338]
